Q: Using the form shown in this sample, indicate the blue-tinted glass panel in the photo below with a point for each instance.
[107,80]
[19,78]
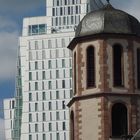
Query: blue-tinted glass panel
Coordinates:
[34,29]
[42,28]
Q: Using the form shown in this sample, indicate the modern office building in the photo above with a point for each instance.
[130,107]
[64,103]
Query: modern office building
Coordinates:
[44,72]
[9,105]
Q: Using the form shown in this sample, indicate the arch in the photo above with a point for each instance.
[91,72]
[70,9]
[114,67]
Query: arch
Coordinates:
[118,65]
[72,125]
[90,54]
[119,120]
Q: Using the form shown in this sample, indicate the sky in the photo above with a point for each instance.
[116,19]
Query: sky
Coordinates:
[12,13]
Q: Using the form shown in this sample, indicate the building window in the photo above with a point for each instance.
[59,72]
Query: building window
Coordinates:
[70,72]
[36,85]
[53,11]
[36,96]
[30,76]
[57,2]
[57,126]
[36,127]
[50,127]
[37,29]
[64,115]
[30,117]
[57,94]
[63,83]
[90,67]
[63,105]
[42,85]
[63,125]
[30,96]
[29,128]
[63,63]
[49,85]
[44,117]
[65,136]
[37,117]
[49,64]
[50,106]
[138,68]
[43,128]
[29,86]
[50,116]
[64,73]
[56,84]
[57,73]
[50,95]
[118,65]
[65,2]
[119,120]
[43,75]
[57,136]
[36,106]
[44,136]
[57,116]
[43,106]
[71,93]
[30,137]
[36,75]
[56,105]
[43,96]
[36,65]
[42,64]
[50,136]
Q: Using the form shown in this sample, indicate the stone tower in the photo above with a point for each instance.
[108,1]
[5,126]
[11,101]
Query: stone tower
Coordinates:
[106,76]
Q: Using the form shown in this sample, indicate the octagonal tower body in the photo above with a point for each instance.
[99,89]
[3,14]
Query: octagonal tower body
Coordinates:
[106,76]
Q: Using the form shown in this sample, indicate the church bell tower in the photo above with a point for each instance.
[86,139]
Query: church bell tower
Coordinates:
[106,76]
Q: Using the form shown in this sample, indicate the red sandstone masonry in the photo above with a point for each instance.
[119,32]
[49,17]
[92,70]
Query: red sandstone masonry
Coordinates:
[80,64]
[104,76]
[131,81]
[78,124]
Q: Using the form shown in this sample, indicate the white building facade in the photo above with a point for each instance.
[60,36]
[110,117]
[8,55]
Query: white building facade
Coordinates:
[44,72]
[9,105]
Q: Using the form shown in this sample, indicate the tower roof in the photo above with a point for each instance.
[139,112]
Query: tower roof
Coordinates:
[108,20]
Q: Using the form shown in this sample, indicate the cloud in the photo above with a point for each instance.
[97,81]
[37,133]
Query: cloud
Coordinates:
[8,48]
[2,134]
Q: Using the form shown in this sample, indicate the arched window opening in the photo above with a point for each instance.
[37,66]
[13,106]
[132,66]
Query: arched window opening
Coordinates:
[119,120]
[138,68]
[75,75]
[90,67]
[72,125]
[118,65]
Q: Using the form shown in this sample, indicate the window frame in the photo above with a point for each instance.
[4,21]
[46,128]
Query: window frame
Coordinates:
[94,68]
